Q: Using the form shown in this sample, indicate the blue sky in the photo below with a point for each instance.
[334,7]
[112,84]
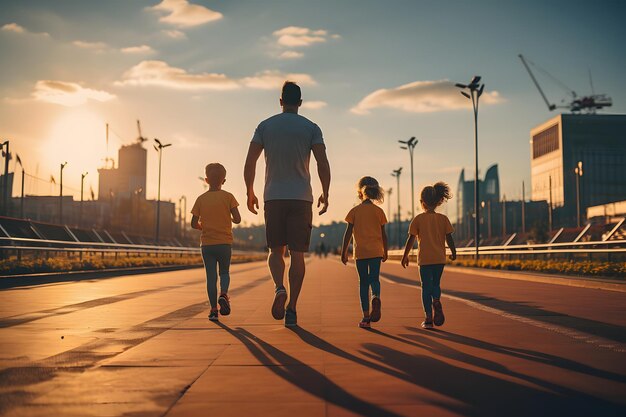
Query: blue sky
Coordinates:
[203,78]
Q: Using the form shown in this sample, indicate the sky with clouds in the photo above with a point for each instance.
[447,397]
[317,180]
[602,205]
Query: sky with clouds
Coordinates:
[202,74]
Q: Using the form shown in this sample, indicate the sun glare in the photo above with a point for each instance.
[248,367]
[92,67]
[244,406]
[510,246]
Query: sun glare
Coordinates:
[78,138]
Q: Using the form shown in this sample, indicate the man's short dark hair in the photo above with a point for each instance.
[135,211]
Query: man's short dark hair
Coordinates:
[291,93]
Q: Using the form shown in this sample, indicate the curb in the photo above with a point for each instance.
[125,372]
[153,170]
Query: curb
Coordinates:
[11,281]
[571,281]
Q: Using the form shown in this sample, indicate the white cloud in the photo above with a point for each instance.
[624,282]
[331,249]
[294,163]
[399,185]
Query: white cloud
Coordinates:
[182,13]
[141,49]
[15,28]
[67,93]
[296,36]
[159,73]
[313,105]
[92,46]
[268,80]
[421,97]
[174,33]
[291,55]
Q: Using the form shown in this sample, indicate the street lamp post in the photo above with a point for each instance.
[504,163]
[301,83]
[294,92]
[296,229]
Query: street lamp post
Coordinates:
[579,173]
[523,208]
[410,145]
[475,90]
[82,183]
[504,215]
[159,148]
[5,196]
[61,194]
[183,215]
[396,173]
[19,161]
[389,191]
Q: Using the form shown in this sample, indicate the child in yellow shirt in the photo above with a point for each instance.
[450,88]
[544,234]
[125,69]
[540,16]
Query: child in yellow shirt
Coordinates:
[366,222]
[213,213]
[432,231]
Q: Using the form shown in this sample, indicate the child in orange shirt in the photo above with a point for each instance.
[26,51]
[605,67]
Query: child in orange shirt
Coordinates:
[432,230]
[366,222]
[213,213]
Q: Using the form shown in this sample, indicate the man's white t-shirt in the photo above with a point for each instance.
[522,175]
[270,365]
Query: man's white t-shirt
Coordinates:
[287,139]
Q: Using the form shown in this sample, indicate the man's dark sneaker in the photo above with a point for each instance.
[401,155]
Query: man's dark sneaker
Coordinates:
[278,306]
[365,323]
[439,318]
[213,315]
[291,318]
[224,302]
[375,314]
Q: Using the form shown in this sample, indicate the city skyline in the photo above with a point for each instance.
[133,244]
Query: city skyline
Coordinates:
[202,75]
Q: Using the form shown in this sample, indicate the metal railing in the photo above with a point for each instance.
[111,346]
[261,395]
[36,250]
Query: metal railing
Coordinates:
[50,247]
[562,248]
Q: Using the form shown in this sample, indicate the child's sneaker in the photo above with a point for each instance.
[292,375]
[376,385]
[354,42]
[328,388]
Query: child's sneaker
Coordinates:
[365,323]
[375,315]
[224,302]
[428,323]
[213,315]
[439,317]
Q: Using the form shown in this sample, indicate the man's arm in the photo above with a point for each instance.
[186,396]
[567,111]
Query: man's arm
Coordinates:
[323,170]
[249,172]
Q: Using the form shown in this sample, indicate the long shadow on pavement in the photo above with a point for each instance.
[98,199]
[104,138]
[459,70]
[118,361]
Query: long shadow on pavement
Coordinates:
[608,331]
[526,354]
[305,377]
[486,395]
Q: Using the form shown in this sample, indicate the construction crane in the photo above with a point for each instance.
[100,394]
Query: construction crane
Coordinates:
[141,139]
[587,104]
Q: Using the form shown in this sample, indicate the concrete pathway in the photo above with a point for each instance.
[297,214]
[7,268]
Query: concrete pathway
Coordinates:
[142,345]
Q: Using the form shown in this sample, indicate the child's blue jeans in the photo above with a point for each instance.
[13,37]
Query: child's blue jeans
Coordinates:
[212,256]
[431,285]
[368,270]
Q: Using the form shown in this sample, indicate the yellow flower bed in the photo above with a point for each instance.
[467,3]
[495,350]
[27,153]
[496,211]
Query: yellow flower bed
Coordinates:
[587,268]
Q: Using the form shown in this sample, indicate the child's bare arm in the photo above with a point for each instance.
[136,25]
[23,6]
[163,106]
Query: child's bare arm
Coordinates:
[407,249]
[385,246]
[346,241]
[236,217]
[195,224]
[450,242]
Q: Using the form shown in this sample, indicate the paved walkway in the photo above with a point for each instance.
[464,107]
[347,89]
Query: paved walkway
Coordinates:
[142,345]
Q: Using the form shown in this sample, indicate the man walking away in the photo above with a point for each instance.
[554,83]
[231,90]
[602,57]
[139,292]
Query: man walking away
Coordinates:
[287,139]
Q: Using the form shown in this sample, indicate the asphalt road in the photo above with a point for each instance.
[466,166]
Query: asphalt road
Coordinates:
[142,345]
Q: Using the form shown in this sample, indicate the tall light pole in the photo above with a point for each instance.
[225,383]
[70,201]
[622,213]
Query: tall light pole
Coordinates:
[579,173]
[389,191]
[550,203]
[82,183]
[159,148]
[523,208]
[61,194]
[5,196]
[504,215]
[410,145]
[396,173]
[183,215]
[19,161]
[475,90]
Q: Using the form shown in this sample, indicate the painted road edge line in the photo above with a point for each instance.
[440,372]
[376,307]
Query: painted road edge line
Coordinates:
[573,334]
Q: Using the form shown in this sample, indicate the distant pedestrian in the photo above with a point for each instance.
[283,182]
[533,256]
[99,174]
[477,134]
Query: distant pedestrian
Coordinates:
[213,213]
[366,223]
[432,231]
[288,140]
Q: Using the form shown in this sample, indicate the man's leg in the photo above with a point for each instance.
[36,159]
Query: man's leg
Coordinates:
[296,276]
[276,264]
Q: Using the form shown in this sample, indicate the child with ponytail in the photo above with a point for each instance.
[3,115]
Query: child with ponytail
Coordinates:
[432,231]
[366,222]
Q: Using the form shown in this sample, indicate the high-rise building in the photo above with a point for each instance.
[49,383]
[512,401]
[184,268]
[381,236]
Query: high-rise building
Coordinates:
[488,192]
[129,178]
[556,148]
